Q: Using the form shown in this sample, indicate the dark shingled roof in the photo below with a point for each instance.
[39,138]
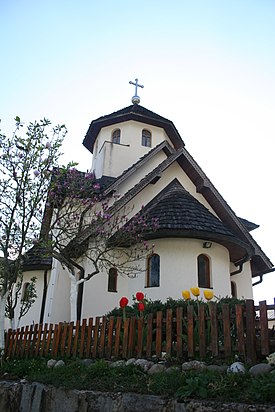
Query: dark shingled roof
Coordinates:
[177,210]
[134,112]
[37,259]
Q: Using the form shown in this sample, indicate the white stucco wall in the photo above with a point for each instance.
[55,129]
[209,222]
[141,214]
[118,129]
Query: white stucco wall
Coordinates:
[112,159]
[33,315]
[178,271]
[243,281]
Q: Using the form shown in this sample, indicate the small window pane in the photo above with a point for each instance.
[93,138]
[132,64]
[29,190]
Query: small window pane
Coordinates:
[116,136]
[146,138]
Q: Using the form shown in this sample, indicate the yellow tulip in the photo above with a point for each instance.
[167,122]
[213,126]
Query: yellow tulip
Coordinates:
[208,294]
[186,294]
[195,291]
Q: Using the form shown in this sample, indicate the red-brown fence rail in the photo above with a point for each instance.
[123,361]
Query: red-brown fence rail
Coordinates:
[209,329]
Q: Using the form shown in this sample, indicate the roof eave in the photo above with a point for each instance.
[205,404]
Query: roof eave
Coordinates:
[97,125]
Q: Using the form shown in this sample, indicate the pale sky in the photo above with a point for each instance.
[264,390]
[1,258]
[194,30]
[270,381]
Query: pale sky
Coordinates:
[209,66]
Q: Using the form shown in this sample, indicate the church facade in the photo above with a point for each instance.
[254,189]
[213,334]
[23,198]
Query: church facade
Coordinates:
[199,240]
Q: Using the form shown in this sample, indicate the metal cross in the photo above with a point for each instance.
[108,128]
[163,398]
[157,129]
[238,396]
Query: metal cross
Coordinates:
[135,98]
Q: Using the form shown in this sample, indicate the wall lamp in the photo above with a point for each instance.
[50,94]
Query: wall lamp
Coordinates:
[207,245]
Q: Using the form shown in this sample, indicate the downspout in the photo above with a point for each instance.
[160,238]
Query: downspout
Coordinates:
[240,263]
[261,276]
[44,296]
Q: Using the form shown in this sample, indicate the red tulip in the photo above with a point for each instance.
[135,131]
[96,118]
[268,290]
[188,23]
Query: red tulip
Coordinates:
[139,296]
[123,302]
[141,306]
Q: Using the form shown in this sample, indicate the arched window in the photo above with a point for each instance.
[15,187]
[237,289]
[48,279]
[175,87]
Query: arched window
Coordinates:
[112,280]
[233,289]
[153,270]
[116,136]
[146,138]
[203,272]
[25,292]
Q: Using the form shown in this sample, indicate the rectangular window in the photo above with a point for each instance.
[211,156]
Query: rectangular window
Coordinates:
[112,280]
[153,271]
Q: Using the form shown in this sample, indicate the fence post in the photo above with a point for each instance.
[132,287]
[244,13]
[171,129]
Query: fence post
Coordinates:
[250,332]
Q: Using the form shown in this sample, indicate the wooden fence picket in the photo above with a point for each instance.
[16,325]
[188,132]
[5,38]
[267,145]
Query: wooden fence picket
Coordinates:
[250,331]
[159,334]
[108,351]
[226,330]
[169,332]
[201,329]
[149,339]
[140,337]
[240,329]
[117,336]
[179,336]
[89,337]
[213,329]
[265,350]
[190,331]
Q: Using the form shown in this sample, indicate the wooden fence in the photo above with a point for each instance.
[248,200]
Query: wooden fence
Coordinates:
[204,330]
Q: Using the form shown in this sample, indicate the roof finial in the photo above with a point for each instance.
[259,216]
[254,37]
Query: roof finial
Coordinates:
[135,98]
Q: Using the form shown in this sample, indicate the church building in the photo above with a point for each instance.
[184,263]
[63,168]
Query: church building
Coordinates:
[199,240]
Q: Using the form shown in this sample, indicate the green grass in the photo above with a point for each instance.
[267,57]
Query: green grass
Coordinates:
[99,376]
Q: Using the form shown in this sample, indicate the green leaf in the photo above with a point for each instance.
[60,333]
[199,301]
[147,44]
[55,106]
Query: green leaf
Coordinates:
[17,119]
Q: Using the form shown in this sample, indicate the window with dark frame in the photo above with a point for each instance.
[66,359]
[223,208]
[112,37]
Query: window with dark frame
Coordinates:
[146,138]
[116,136]
[112,280]
[25,292]
[204,272]
[153,271]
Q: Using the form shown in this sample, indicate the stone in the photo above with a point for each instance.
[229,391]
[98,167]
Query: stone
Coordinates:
[59,364]
[87,362]
[260,369]
[236,367]
[172,369]
[118,364]
[143,364]
[51,363]
[156,368]
[131,361]
[186,366]
[217,368]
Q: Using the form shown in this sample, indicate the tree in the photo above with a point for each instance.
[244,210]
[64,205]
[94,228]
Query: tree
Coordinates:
[77,209]
[27,161]
[53,207]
